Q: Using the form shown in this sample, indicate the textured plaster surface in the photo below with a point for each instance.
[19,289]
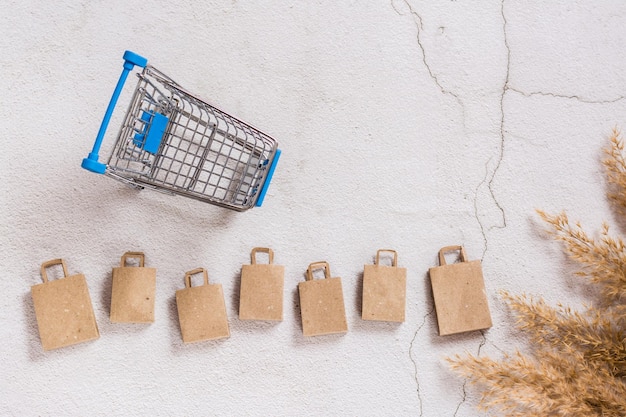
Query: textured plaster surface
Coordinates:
[406,124]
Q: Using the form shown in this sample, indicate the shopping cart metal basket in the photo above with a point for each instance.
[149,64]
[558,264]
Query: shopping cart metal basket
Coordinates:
[173,141]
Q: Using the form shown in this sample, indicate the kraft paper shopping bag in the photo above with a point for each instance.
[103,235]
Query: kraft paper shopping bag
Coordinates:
[261,293]
[63,309]
[133,291]
[459,294]
[384,290]
[321,303]
[201,310]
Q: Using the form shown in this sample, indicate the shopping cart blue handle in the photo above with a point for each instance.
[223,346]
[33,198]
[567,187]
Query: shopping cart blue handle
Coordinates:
[270,174]
[91,163]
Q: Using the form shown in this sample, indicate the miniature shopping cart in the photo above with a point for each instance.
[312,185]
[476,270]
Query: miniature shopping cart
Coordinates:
[174,142]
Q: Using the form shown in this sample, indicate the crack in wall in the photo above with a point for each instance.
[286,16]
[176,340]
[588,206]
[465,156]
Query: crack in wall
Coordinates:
[488,178]
[476,211]
[419,25]
[569,97]
[483,342]
[505,88]
[463,398]
[415,376]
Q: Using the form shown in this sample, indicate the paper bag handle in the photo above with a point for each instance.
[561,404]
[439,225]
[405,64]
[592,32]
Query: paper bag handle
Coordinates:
[194,272]
[316,265]
[262,250]
[395,256]
[48,264]
[137,255]
[443,251]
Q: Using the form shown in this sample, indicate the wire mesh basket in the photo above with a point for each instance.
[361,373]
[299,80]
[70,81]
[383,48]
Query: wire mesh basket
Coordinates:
[174,142]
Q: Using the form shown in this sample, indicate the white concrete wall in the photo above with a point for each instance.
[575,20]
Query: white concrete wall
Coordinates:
[404,124]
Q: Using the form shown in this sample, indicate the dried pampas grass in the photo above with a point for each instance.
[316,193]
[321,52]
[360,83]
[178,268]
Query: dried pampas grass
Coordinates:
[577,362]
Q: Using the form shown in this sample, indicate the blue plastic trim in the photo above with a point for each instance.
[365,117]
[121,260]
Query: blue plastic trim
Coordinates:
[91,162]
[270,174]
[140,137]
[155,133]
[155,124]
[135,59]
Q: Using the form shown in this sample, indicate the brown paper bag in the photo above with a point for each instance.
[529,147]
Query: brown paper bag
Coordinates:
[201,310]
[321,303]
[133,291]
[261,293]
[384,290]
[459,294]
[63,309]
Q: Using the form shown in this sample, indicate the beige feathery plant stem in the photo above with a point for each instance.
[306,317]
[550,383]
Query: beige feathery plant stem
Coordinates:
[592,333]
[576,365]
[602,260]
[616,171]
